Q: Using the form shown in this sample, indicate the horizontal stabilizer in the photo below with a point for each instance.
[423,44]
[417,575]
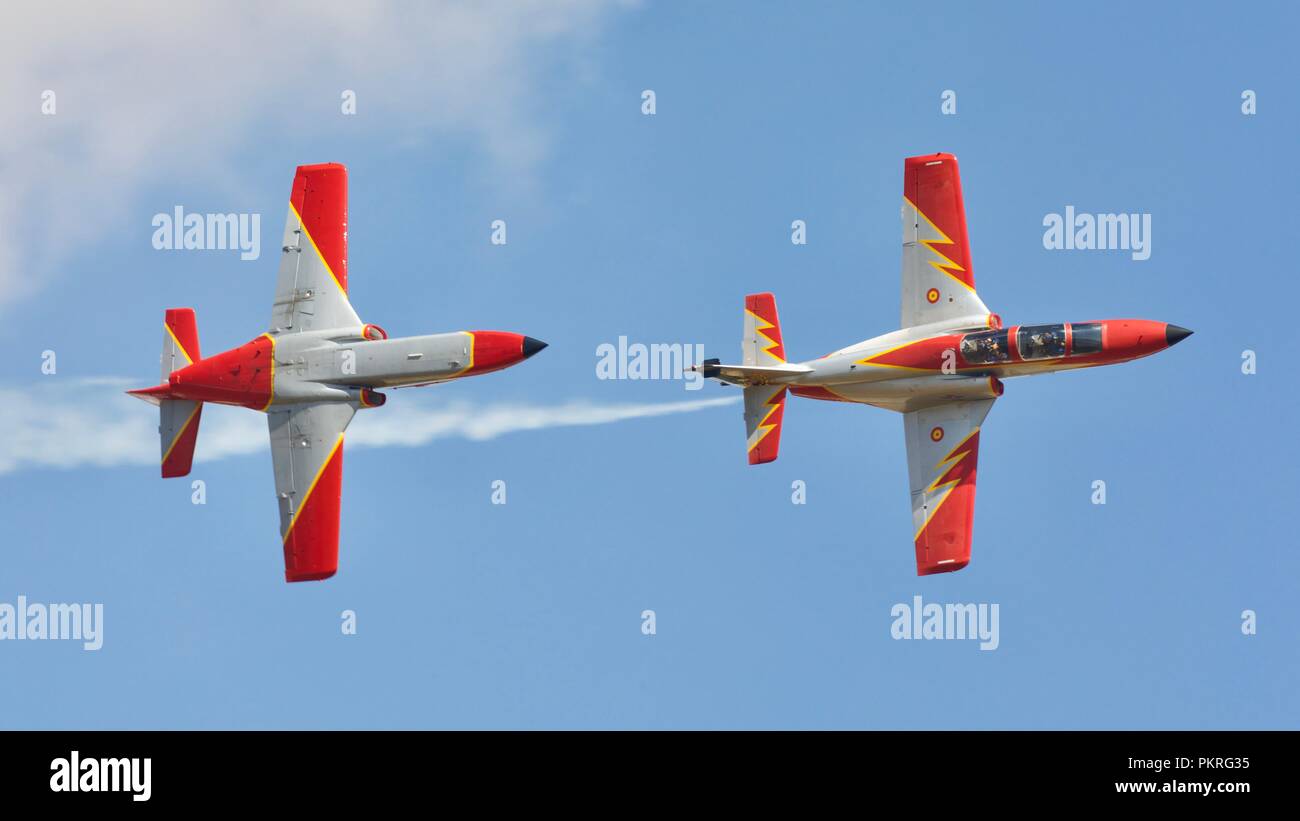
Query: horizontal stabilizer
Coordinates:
[764,410]
[762,343]
[178,430]
[180,340]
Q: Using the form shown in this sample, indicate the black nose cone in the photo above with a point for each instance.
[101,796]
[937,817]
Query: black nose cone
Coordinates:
[532,346]
[1175,334]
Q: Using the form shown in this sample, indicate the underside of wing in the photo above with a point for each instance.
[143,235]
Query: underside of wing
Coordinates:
[312,288]
[938,282]
[942,455]
[307,451]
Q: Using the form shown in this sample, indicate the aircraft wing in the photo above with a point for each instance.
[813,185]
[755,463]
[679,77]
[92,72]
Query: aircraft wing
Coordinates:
[943,446]
[312,289]
[307,451]
[938,283]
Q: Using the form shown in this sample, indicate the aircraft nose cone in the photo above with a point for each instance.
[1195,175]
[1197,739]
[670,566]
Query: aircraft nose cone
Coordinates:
[532,346]
[1175,334]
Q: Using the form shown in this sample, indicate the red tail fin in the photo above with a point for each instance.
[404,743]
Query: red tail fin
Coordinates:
[764,410]
[178,419]
[184,330]
[761,344]
[178,429]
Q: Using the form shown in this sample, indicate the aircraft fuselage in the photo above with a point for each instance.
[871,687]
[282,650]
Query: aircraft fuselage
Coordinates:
[919,367]
[342,365]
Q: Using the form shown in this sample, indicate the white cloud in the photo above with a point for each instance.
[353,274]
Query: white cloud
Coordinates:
[148,92]
[63,423]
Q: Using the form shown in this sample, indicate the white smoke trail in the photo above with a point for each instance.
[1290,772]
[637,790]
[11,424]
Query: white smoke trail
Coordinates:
[67,423]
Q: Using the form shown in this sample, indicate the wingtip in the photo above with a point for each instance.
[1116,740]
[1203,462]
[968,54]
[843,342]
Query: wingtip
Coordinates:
[949,566]
[318,576]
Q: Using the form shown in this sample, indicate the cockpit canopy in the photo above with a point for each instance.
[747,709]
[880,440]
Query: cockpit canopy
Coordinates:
[1032,342]
[1085,337]
[1041,341]
[985,347]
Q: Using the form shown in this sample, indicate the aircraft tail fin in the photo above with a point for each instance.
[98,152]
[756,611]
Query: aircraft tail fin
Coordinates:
[763,350]
[178,419]
[765,377]
[762,343]
[180,340]
[178,431]
[764,410]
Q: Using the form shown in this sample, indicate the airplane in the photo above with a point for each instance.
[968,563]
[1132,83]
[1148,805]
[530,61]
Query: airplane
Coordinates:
[942,369]
[315,367]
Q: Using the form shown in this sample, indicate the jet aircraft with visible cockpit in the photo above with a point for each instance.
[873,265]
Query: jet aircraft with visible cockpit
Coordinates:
[315,367]
[942,370]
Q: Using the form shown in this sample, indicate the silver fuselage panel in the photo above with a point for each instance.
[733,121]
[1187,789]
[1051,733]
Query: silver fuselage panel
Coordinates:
[314,367]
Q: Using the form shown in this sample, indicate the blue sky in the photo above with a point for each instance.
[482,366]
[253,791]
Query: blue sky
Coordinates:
[769,614]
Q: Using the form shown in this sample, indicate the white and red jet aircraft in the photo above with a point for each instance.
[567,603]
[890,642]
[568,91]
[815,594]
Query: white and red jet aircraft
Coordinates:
[315,367]
[942,370]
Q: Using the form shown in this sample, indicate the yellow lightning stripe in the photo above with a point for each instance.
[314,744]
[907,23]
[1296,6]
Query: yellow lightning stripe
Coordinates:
[942,471]
[763,428]
[181,432]
[319,473]
[189,359]
[950,458]
[302,225]
[944,239]
[762,325]
[870,360]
